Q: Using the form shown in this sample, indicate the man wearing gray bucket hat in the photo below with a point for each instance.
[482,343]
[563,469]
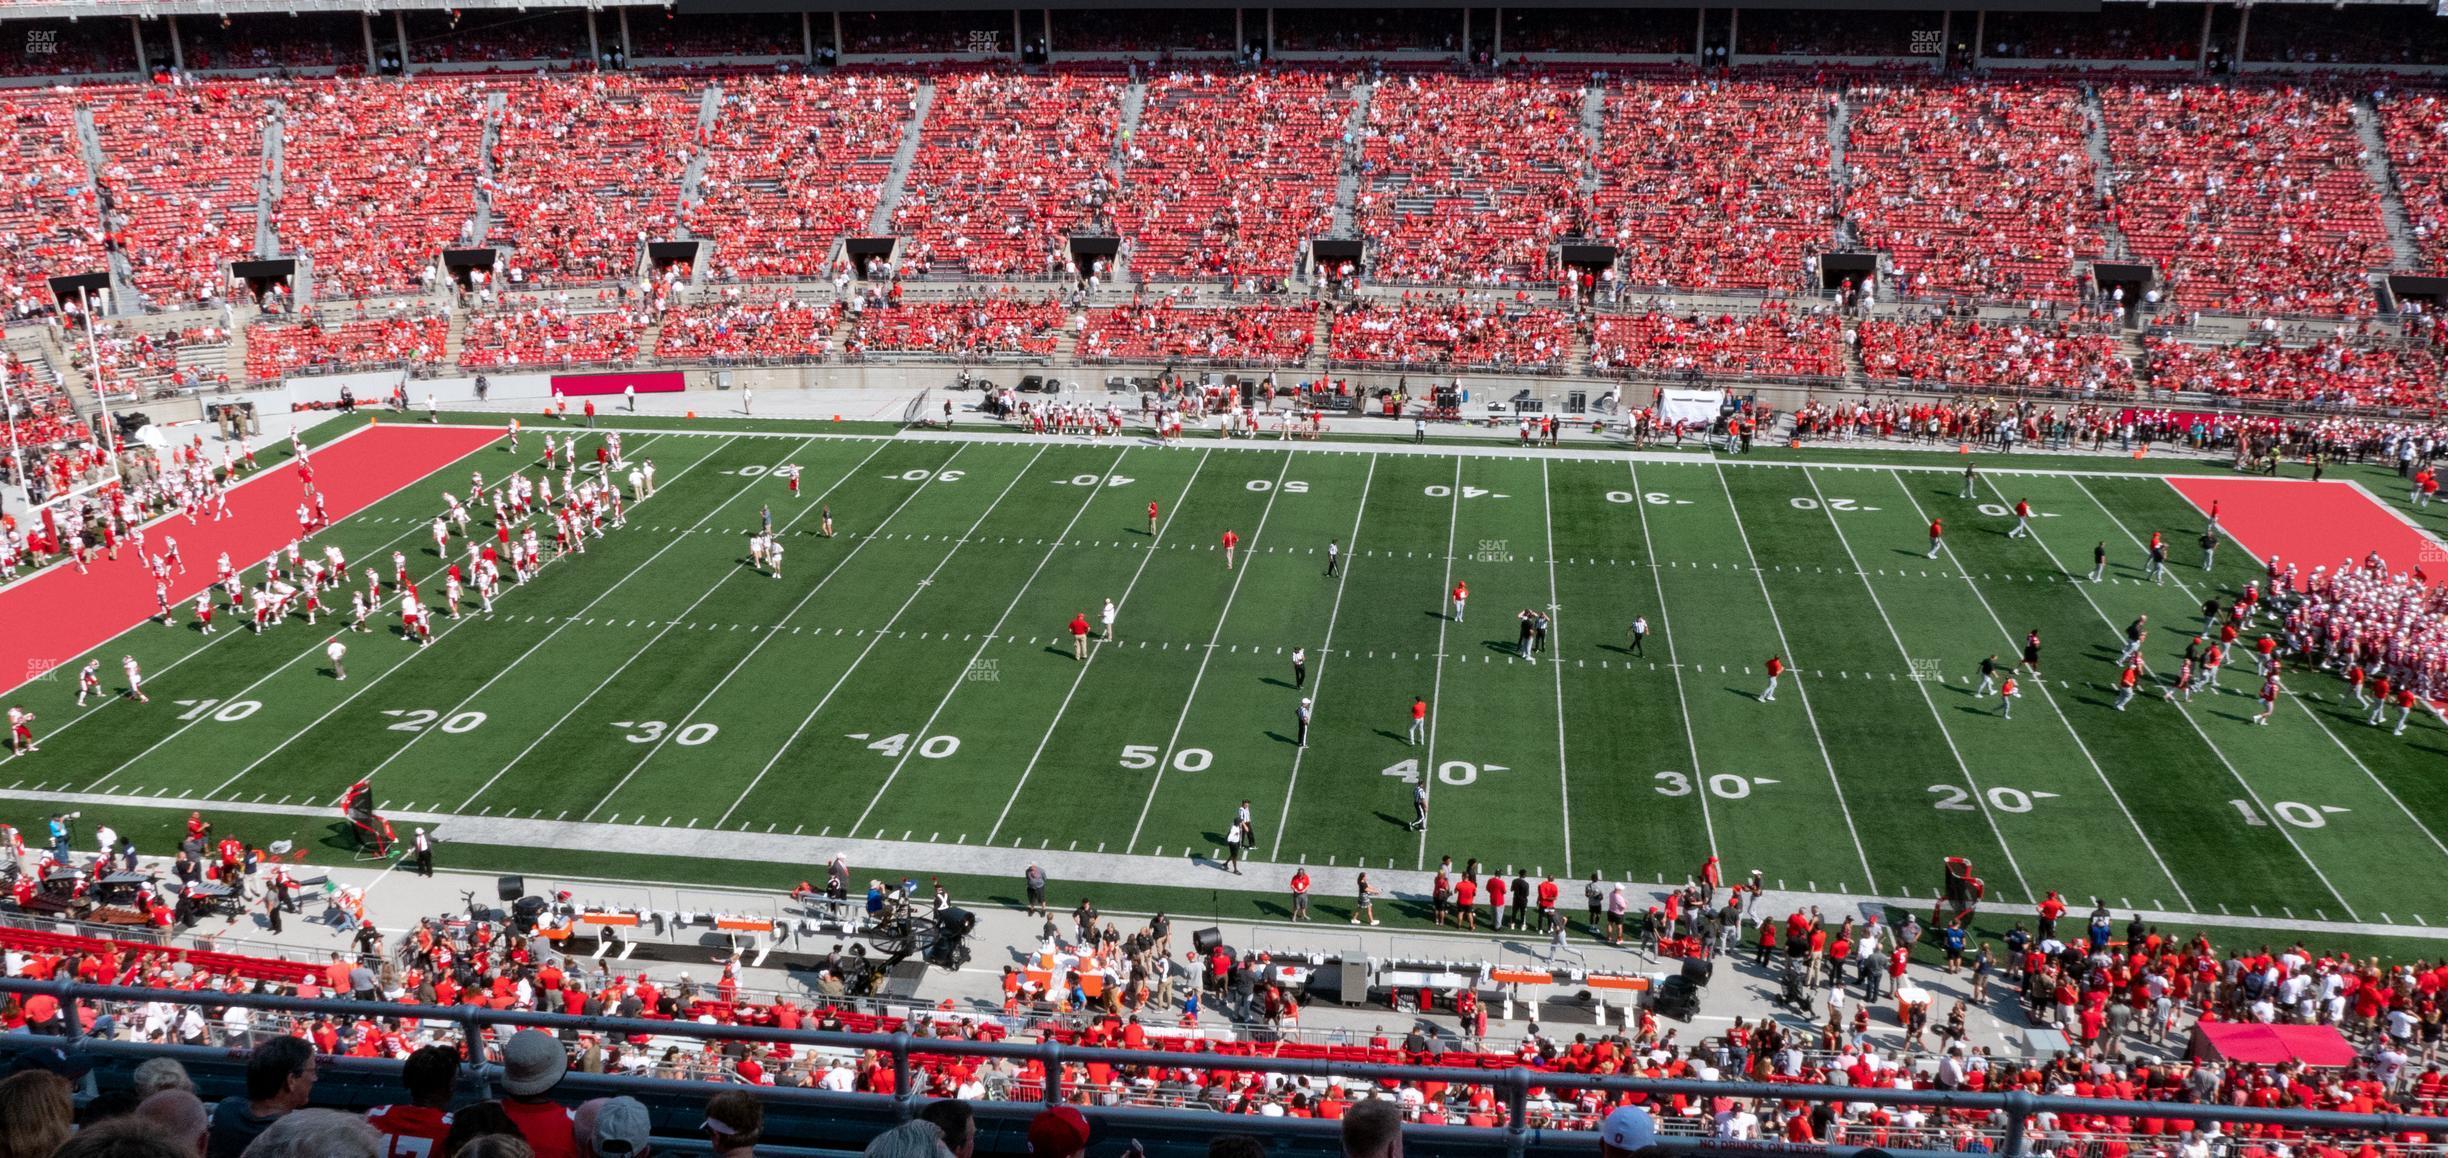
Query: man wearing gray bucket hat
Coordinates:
[532,1062]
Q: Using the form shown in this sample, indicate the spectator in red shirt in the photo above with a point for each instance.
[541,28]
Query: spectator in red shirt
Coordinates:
[418,1127]
[532,1064]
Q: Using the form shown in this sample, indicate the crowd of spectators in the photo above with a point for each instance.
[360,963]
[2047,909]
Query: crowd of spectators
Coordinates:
[2247,198]
[140,363]
[1468,180]
[1007,168]
[1000,323]
[1778,341]
[758,325]
[588,171]
[1714,184]
[2332,372]
[1165,332]
[181,165]
[1229,176]
[377,178]
[1983,190]
[413,337]
[792,163]
[550,334]
[50,220]
[1454,332]
[2414,126]
[1994,355]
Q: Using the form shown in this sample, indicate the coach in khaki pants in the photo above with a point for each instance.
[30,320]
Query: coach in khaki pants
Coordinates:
[1079,636]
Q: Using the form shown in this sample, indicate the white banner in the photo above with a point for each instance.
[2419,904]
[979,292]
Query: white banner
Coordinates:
[1696,406]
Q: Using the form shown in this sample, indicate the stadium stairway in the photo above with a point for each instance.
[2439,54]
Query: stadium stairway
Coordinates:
[268,181]
[89,144]
[1593,134]
[2384,178]
[2095,142]
[692,178]
[1347,181]
[879,224]
[482,221]
[1126,126]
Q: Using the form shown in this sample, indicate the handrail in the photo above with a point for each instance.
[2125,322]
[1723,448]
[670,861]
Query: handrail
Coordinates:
[1514,1084]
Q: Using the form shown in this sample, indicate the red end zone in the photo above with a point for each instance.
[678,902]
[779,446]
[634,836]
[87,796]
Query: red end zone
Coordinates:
[58,615]
[2313,524]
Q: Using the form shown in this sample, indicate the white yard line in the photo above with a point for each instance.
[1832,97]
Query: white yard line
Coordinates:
[919,737]
[878,637]
[2215,750]
[1436,685]
[1801,688]
[1555,660]
[1154,542]
[454,625]
[1928,700]
[1240,572]
[2323,724]
[220,636]
[1325,652]
[2063,718]
[1665,631]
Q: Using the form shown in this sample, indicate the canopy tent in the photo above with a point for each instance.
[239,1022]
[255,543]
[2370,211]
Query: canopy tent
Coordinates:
[2254,1044]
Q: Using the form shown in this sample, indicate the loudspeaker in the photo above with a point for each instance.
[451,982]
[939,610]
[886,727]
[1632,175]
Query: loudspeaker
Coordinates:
[1676,999]
[1696,970]
[1354,982]
[1206,940]
[512,888]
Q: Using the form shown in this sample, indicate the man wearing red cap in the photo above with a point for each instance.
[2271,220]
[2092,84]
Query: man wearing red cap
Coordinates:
[1079,636]
[1060,1132]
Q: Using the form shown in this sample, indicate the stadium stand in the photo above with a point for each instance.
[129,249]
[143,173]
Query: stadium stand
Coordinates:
[377,178]
[759,326]
[413,338]
[1006,168]
[50,219]
[1975,190]
[1468,181]
[1457,334]
[1228,177]
[1987,354]
[1720,185]
[2249,198]
[181,166]
[589,171]
[976,325]
[1163,332]
[793,163]
[1776,342]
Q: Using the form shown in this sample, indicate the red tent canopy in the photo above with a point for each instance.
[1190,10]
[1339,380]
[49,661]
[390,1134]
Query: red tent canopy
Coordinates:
[2313,1045]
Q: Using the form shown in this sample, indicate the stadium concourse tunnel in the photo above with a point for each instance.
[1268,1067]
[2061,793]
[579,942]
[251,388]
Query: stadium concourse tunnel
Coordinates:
[808,1121]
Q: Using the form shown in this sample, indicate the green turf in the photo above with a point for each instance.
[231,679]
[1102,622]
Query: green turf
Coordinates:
[910,678]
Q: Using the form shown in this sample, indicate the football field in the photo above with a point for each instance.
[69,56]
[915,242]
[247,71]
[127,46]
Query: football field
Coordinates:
[912,679]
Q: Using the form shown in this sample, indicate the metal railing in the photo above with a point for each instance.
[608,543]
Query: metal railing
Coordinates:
[1514,1088]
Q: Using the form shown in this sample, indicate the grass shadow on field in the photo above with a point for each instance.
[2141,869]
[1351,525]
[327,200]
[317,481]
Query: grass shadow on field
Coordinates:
[1394,820]
[1273,682]
[1280,738]
[1393,735]
[1502,647]
[1745,693]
